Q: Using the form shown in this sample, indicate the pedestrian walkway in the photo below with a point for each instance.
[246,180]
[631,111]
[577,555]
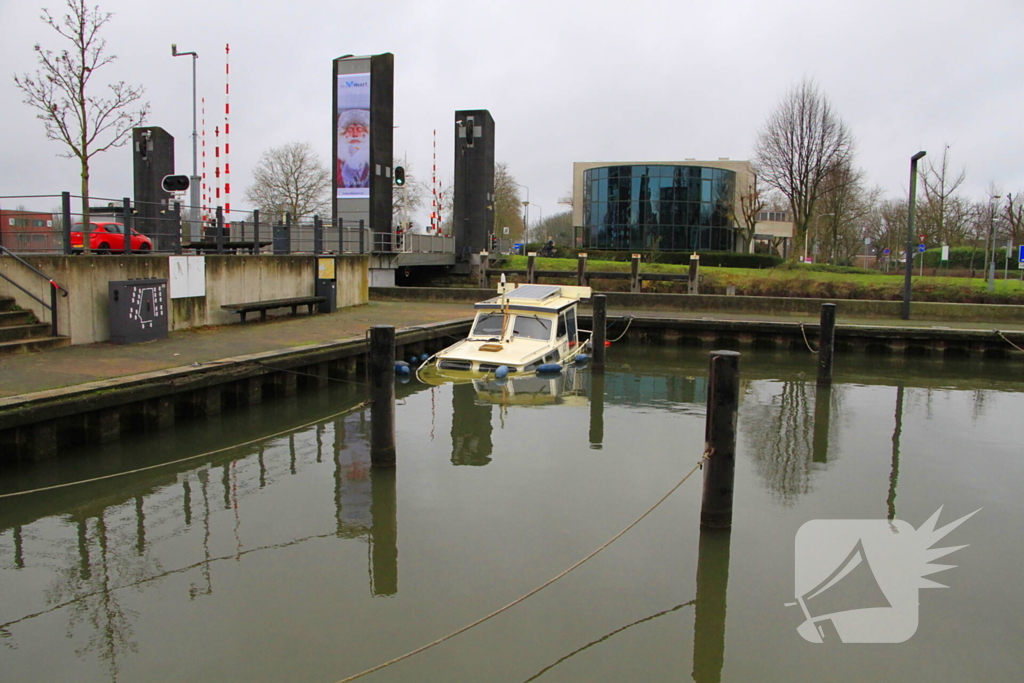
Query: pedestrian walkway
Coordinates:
[28,373]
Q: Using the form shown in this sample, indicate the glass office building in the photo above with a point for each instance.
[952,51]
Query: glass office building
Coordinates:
[663,207]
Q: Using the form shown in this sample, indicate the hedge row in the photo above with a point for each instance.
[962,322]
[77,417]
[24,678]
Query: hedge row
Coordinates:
[961,257]
[712,259]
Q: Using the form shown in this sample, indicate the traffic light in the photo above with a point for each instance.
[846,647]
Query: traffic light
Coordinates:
[399,175]
[175,183]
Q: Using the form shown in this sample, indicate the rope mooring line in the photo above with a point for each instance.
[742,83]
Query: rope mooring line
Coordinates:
[628,323]
[181,460]
[536,590]
[1004,338]
[809,347]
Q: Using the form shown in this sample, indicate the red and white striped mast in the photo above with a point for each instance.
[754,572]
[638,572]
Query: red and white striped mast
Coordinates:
[206,196]
[227,132]
[435,223]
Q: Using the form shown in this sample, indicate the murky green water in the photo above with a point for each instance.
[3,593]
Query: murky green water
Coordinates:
[291,559]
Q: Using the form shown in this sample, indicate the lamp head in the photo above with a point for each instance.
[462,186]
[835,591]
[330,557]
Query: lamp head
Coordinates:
[917,156]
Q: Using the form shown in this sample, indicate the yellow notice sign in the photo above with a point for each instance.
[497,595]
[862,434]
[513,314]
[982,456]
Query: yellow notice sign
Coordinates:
[325,268]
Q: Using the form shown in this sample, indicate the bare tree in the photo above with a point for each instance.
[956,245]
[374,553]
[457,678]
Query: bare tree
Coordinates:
[87,123]
[508,207]
[290,179]
[845,205]
[1014,218]
[751,203]
[944,216]
[803,140]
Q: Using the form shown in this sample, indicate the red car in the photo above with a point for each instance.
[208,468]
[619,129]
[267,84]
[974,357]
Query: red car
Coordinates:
[106,237]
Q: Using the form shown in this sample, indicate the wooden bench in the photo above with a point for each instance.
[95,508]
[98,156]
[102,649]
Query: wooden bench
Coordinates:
[264,306]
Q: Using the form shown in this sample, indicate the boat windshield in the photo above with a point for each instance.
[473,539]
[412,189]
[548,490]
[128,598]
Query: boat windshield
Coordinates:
[532,327]
[489,325]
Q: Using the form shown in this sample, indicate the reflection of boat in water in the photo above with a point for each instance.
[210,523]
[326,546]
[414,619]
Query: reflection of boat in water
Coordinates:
[567,388]
[524,330]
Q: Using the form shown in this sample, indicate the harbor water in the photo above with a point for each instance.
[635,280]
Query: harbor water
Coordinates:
[260,545]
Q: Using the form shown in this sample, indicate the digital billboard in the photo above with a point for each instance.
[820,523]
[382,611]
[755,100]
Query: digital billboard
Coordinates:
[353,163]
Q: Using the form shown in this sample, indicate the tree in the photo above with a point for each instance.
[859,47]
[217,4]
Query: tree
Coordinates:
[944,216]
[290,179]
[803,140]
[845,204]
[508,208]
[72,113]
[558,227]
[1015,218]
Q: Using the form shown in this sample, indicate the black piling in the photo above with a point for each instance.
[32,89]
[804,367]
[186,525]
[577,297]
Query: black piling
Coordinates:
[256,231]
[382,394]
[485,278]
[598,335]
[693,281]
[720,440]
[531,273]
[634,274]
[826,343]
[581,270]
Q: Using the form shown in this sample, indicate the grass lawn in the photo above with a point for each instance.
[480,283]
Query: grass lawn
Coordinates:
[797,281]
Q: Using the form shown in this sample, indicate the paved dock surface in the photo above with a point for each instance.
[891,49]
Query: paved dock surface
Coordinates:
[51,369]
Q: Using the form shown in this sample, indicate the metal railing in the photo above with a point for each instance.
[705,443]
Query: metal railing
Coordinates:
[54,287]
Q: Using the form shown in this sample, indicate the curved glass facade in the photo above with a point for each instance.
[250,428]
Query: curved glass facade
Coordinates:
[669,208]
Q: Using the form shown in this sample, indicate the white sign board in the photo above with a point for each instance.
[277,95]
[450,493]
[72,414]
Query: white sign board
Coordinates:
[945,252]
[187,276]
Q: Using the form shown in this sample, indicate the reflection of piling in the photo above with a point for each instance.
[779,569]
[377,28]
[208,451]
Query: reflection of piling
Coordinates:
[382,393]
[720,439]
[709,613]
[822,416]
[598,334]
[826,343]
[894,473]
[383,532]
[597,410]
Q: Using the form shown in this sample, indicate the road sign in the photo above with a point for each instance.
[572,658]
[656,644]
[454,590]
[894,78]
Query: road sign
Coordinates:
[945,252]
[921,248]
[923,237]
[1022,253]
[886,251]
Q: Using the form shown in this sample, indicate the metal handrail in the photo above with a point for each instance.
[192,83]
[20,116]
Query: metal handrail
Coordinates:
[52,306]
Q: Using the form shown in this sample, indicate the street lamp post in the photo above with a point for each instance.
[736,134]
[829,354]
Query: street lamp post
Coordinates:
[541,219]
[193,184]
[992,239]
[526,214]
[910,234]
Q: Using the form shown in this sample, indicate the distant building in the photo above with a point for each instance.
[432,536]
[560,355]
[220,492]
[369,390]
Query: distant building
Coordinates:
[668,206]
[28,231]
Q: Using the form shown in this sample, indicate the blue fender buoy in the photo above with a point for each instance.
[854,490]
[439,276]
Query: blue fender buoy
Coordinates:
[424,357]
[401,368]
[414,360]
[582,358]
[404,378]
[549,369]
[501,372]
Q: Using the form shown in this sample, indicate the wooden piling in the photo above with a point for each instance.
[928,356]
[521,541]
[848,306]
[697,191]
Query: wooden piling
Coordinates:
[485,278]
[382,394]
[720,439]
[599,304]
[693,281]
[581,269]
[634,274]
[826,343]
[531,272]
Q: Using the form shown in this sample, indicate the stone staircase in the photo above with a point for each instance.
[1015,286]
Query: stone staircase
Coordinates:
[18,332]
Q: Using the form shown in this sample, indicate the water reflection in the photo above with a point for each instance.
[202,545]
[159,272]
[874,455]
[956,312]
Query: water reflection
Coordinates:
[471,427]
[781,415]
[116,542]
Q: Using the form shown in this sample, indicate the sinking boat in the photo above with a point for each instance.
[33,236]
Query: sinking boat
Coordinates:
[526,329]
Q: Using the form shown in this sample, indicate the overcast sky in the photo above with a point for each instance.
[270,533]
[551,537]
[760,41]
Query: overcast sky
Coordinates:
[565,81]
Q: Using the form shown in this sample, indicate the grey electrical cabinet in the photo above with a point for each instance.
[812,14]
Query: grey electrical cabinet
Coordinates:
[138,310]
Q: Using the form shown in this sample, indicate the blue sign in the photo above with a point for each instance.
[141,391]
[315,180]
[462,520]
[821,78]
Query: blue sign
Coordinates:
[921,248]
[886,251]
[1021,259]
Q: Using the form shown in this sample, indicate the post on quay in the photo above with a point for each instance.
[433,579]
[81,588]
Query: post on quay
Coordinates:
[826,343]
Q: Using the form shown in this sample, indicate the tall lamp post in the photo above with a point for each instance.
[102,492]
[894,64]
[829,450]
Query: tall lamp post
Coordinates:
[526,214]
[910,234]
[541,219]
[992,239]
[193,183]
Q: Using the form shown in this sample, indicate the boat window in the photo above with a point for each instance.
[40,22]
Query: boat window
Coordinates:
[531,327]
[488,325]
[561,326]
[570,320]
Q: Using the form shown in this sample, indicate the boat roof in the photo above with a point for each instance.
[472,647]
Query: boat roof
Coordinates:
[536,297]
